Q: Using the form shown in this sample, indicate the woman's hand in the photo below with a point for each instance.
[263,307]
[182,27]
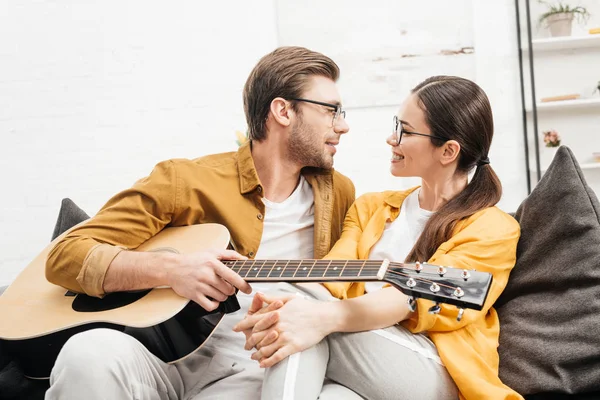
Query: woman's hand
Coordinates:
[258,308]
[300,324]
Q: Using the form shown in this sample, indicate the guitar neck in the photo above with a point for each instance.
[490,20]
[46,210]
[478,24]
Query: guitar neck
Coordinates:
[308,270]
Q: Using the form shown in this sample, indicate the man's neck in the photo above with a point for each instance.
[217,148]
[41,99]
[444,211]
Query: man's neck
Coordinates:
[278,176]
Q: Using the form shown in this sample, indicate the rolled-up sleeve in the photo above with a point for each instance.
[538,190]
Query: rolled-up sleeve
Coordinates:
[79,260]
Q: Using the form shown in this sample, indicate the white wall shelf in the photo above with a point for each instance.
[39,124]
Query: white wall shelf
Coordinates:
[566,43]
[568,104]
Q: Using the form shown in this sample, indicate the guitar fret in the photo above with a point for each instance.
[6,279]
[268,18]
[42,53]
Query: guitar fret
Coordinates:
[254,270]
[290,269]
[276,271]
[262,273]
[343,268]
[245,269]
[304,271]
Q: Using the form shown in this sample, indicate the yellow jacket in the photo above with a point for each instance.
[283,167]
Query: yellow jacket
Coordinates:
[486,241]
[219,188]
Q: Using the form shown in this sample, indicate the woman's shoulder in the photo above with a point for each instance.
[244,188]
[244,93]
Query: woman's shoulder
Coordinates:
[393,198]
[493,219]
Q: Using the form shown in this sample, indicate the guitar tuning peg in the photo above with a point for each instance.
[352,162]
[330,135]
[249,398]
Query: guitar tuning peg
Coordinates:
[461,312]
[418,267]
[442,270]
[435,309]
[465,274]
[412,304]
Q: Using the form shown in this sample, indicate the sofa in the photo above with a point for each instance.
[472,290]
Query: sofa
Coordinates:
[549,313]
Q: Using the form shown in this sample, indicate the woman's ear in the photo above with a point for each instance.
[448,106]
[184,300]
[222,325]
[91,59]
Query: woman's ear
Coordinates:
[450,152]
[280,111]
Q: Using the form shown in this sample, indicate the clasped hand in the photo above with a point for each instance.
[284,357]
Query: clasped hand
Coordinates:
[279,326]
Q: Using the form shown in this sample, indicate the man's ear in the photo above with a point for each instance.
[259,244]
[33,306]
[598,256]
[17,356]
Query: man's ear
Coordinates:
[450,152]
[280,111]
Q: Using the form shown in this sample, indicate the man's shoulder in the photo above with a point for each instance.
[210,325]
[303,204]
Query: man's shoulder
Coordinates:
[341,179]
[211,161]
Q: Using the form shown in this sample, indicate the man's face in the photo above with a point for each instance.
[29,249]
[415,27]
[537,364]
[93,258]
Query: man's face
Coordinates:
[314,133]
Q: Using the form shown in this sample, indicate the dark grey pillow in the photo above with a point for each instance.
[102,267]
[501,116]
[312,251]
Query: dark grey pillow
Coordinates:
[13,384]
[69,215]
[550,310]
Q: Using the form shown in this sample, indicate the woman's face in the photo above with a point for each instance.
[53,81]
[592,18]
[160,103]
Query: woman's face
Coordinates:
[415,155]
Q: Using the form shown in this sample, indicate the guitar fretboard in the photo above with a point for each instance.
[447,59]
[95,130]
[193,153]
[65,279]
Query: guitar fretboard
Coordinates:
[306,270]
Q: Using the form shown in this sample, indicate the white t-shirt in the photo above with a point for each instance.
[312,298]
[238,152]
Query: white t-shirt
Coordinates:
[400,236]
[287,234]
[288,226]
[288,230]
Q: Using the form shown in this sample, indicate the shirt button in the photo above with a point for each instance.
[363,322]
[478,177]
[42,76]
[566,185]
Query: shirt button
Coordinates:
[259,216]
[251,254]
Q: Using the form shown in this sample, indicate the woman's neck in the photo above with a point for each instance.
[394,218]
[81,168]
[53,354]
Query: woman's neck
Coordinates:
[437,192]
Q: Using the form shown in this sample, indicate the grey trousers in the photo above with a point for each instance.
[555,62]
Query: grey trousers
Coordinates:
[107,364]
[382,364]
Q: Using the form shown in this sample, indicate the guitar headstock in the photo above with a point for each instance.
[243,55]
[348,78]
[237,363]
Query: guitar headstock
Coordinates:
[459,287]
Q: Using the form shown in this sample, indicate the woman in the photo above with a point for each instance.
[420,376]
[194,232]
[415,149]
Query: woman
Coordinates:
[443,131]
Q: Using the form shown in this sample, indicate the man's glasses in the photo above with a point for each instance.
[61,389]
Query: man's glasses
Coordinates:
[399,130]
[335,107]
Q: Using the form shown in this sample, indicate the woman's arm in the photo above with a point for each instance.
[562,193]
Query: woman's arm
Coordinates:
[379,309]
[302,323]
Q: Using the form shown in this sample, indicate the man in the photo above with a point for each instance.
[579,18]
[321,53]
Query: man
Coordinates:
[277,195]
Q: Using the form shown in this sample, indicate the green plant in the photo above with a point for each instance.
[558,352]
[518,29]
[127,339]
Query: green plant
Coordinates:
[580,13]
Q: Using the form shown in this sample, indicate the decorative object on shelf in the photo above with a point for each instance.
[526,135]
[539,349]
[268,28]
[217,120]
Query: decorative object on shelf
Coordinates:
[560,15]
[551,138]
[241,137]
[552,141]
[597,89]
[596,156]
[560,98]
[594,31]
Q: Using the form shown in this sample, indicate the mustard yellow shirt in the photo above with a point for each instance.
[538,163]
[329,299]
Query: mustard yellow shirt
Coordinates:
[220,188]
[486,241]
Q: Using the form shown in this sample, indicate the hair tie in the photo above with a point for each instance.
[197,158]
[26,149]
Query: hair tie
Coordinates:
[485,161]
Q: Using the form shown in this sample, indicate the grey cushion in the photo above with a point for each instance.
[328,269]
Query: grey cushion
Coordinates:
[13,384]
[69,215]
[550,310]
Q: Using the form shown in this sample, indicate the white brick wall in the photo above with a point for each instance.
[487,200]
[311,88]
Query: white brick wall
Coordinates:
[93,94]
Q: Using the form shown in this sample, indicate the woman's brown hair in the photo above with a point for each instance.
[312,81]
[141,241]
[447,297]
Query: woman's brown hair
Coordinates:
[458,109]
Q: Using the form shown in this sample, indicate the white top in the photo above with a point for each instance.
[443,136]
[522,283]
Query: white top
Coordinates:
[288,230]
[287,234]
[400,236]
[288,226]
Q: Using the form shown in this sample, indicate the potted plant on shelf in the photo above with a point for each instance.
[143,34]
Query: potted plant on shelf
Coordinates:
[552,141]
[560,16]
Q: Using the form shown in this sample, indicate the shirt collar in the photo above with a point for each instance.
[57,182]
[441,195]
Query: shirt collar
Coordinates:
[396,198]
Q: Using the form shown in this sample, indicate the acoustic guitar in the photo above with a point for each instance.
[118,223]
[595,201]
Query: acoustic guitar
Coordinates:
[37,317]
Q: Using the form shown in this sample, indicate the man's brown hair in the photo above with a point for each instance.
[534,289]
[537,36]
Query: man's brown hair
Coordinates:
[285,73]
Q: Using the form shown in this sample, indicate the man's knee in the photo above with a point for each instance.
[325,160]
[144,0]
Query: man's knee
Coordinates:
[89,351]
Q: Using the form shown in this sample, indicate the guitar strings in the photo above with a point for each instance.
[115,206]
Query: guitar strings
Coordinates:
[346,267]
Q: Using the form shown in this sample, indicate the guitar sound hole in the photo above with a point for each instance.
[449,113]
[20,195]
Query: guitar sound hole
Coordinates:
[85,303]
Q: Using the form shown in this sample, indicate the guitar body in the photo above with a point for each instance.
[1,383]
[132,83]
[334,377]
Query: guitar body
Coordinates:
[37,317]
